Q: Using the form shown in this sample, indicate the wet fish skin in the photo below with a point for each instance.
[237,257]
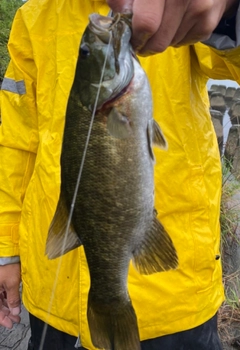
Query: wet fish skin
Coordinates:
[114,215]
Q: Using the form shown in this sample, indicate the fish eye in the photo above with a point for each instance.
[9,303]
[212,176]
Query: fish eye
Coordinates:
[84,51]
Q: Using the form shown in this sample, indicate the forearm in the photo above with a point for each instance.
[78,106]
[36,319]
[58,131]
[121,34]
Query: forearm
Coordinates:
[14,178]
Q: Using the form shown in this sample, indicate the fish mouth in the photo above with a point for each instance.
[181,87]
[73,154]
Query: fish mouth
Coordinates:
[100,26]
[100,22]
[111,29]
[116,32]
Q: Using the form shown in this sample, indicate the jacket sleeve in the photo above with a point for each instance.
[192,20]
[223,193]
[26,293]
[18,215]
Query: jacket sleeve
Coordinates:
[218,57]
[18,137]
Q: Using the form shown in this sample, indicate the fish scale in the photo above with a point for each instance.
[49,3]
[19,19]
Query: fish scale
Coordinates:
[114,216]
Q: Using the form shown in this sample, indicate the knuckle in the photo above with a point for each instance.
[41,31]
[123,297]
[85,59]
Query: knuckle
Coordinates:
[202,7]
[148,23]
[206,37]
[208,26]
[209,5]
[155,46]
[14,301]
[161,46]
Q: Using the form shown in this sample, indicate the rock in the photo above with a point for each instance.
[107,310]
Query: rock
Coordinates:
[230,92]
[213,87]
[234,113]
[232,150]
[237,94]
[222,89]
[217,119]
[217,102]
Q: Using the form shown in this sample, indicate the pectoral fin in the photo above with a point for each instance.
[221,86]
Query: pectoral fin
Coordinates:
[156,252]
[118,124]
[155,135]
[61,239]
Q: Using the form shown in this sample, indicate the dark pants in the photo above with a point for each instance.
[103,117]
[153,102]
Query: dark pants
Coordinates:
[204,337]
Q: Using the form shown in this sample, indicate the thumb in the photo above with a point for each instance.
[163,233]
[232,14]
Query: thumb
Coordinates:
[14,300]
[15,311]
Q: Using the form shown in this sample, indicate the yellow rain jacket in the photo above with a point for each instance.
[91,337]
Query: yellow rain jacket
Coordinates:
[44,46]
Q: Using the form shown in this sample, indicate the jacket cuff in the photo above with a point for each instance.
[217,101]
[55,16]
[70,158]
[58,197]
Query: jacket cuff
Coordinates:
[227,34]
[9,238]
[9,260]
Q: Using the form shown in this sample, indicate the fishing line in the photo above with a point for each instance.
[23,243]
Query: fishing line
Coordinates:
[75,193]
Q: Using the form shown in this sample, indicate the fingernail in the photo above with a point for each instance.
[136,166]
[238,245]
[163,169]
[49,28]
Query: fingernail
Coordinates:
[15,310]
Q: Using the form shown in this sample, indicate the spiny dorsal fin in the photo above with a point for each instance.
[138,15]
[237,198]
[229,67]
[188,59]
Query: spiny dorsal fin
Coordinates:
[156,252]
[57,243]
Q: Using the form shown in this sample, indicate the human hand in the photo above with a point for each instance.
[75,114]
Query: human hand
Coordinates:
[157,24]
[9,295]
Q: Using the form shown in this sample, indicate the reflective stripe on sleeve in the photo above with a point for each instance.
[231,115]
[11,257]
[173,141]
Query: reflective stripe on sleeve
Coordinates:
[17,87]
[10,260]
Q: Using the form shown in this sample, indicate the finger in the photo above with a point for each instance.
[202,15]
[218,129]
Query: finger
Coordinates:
[185,34]
[15,319]
[8,320]
[3,303]
[198,24]
[190,40]
[15,310]
[145,21]
[8,316]
[123,6]
[7,313]
[13,298]
[14,302]
[5,321]
[171,19]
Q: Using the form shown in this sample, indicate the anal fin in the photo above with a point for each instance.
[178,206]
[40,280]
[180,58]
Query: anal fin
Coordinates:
[59,240]
[156,252]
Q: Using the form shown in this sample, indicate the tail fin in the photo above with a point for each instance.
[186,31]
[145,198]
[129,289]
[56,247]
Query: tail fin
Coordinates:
[113,328]
[156,252]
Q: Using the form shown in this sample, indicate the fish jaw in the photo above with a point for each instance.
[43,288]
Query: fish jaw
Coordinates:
[103,56]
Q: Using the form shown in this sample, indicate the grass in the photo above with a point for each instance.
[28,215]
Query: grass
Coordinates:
[8,9]
[229,313]
[229,216]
